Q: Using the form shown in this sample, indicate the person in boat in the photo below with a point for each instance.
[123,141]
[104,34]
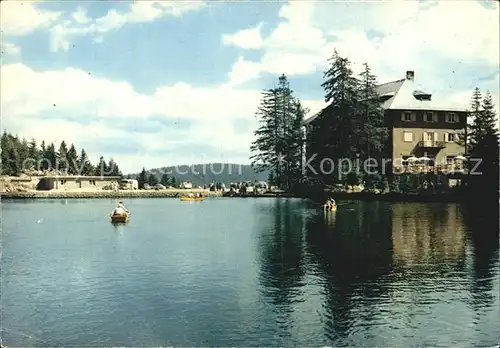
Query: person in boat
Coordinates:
[190,195]
[330,204]
[120,209]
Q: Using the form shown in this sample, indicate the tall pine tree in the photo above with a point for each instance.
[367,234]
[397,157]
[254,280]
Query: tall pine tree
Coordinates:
[265,148]
[72,160]
[84,165]
[474,126]
[338,122]
[62,158]
[278,139]
[483,179]
[142,178]
[370,128]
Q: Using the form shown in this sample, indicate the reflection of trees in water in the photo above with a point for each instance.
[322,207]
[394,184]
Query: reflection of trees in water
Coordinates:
[428,238]
[483,234]
[351,257]
[281,249]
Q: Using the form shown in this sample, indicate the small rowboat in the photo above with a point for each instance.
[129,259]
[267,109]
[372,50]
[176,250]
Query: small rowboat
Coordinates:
[187,198]
[119,217]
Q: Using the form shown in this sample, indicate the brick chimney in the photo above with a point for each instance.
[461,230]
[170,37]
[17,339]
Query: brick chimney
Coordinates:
[410,75]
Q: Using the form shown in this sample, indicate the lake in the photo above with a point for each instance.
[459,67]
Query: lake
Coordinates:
[247,272]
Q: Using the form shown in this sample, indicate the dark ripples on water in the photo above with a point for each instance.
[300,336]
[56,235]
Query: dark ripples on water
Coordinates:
[247,273]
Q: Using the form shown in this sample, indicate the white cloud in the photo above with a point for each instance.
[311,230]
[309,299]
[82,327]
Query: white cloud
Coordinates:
[137,12]
[80,16]
[247,38]
[243,70]
[23,17]
[10,48]
[54,106]
[411,35]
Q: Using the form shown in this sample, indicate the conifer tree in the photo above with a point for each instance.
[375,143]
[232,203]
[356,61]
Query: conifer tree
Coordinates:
[142,178]
[113,169]
[62,158]
[173,181]
[483,146]
[152,180]
[51,156]
[265,149]
[277,146]
[165,180]
[84,165]
[335,132]
[72,160]
[369,127]
[101,168]
[474,128]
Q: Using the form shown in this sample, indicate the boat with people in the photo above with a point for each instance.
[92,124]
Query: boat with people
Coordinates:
[330,205]
[193,197]
[119,217]
[120,213]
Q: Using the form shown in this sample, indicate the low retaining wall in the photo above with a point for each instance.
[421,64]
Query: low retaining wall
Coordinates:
[106,194]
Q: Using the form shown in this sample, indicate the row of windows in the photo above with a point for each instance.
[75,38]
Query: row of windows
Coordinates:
[91,182]
[410,116]
[408,137]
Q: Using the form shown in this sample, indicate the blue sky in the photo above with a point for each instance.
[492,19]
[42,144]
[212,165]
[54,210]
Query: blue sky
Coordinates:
[178,82]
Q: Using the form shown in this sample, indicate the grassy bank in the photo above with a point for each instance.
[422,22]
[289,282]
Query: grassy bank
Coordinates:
[105,194]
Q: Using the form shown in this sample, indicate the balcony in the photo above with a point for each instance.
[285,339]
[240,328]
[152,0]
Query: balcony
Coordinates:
[432,144]
[437,169]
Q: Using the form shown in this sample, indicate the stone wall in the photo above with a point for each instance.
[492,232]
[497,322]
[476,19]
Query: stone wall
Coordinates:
[107,194]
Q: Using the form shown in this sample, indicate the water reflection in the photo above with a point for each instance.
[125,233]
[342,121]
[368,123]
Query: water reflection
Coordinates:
[428,237]
[483,234]
[350,257]
[270,272]
[379,272]
[282,258]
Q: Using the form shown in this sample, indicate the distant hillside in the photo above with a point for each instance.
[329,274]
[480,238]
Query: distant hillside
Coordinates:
[200,174]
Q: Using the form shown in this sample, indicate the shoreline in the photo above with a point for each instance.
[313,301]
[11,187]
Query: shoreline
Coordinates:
[399,197]
[351,196]
[105,194]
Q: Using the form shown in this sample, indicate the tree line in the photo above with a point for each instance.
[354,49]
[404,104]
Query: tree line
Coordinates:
[352,125]
[20,156]
[152,179]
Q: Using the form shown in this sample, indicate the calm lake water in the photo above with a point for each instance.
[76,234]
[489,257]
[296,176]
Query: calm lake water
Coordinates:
[247,272]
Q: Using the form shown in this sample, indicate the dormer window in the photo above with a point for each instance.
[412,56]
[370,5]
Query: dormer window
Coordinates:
[451,117]
[430,117]
[408,116]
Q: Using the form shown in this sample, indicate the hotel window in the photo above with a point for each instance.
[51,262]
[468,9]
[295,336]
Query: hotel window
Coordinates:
[408,116]
[430,117]
[408,137]
[428,136]
[451,117]
[450,137]
[450,159]
[63,182]
[92,182]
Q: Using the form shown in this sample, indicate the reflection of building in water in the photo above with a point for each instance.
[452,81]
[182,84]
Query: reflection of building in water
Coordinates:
[425,234]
